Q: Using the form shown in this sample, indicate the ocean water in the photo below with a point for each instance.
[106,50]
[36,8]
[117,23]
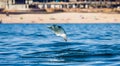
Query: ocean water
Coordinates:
[88,45]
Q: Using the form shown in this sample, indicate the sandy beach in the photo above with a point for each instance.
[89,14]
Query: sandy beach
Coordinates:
[61,18]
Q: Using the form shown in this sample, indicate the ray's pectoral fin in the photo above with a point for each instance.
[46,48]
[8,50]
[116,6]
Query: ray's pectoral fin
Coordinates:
[59,31]
[65,39]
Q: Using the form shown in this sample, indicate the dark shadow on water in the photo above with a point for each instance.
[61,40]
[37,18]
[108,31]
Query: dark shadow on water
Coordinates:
[57,44]
[72,55]
[62,48]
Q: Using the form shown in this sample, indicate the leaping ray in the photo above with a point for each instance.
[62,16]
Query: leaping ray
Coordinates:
[59,31]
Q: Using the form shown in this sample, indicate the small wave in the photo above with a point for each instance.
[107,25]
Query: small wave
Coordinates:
[36,35]
[22,34]
[6,53]
[23,44]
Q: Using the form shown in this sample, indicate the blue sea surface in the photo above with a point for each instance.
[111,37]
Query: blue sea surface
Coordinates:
[87,45]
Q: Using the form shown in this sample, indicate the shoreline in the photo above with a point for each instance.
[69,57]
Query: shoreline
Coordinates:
[64,17]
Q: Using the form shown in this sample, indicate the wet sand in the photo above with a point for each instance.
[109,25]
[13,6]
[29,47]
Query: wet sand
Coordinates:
[61,18]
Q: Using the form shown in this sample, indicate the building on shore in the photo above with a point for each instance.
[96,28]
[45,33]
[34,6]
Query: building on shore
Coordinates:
[27,4]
